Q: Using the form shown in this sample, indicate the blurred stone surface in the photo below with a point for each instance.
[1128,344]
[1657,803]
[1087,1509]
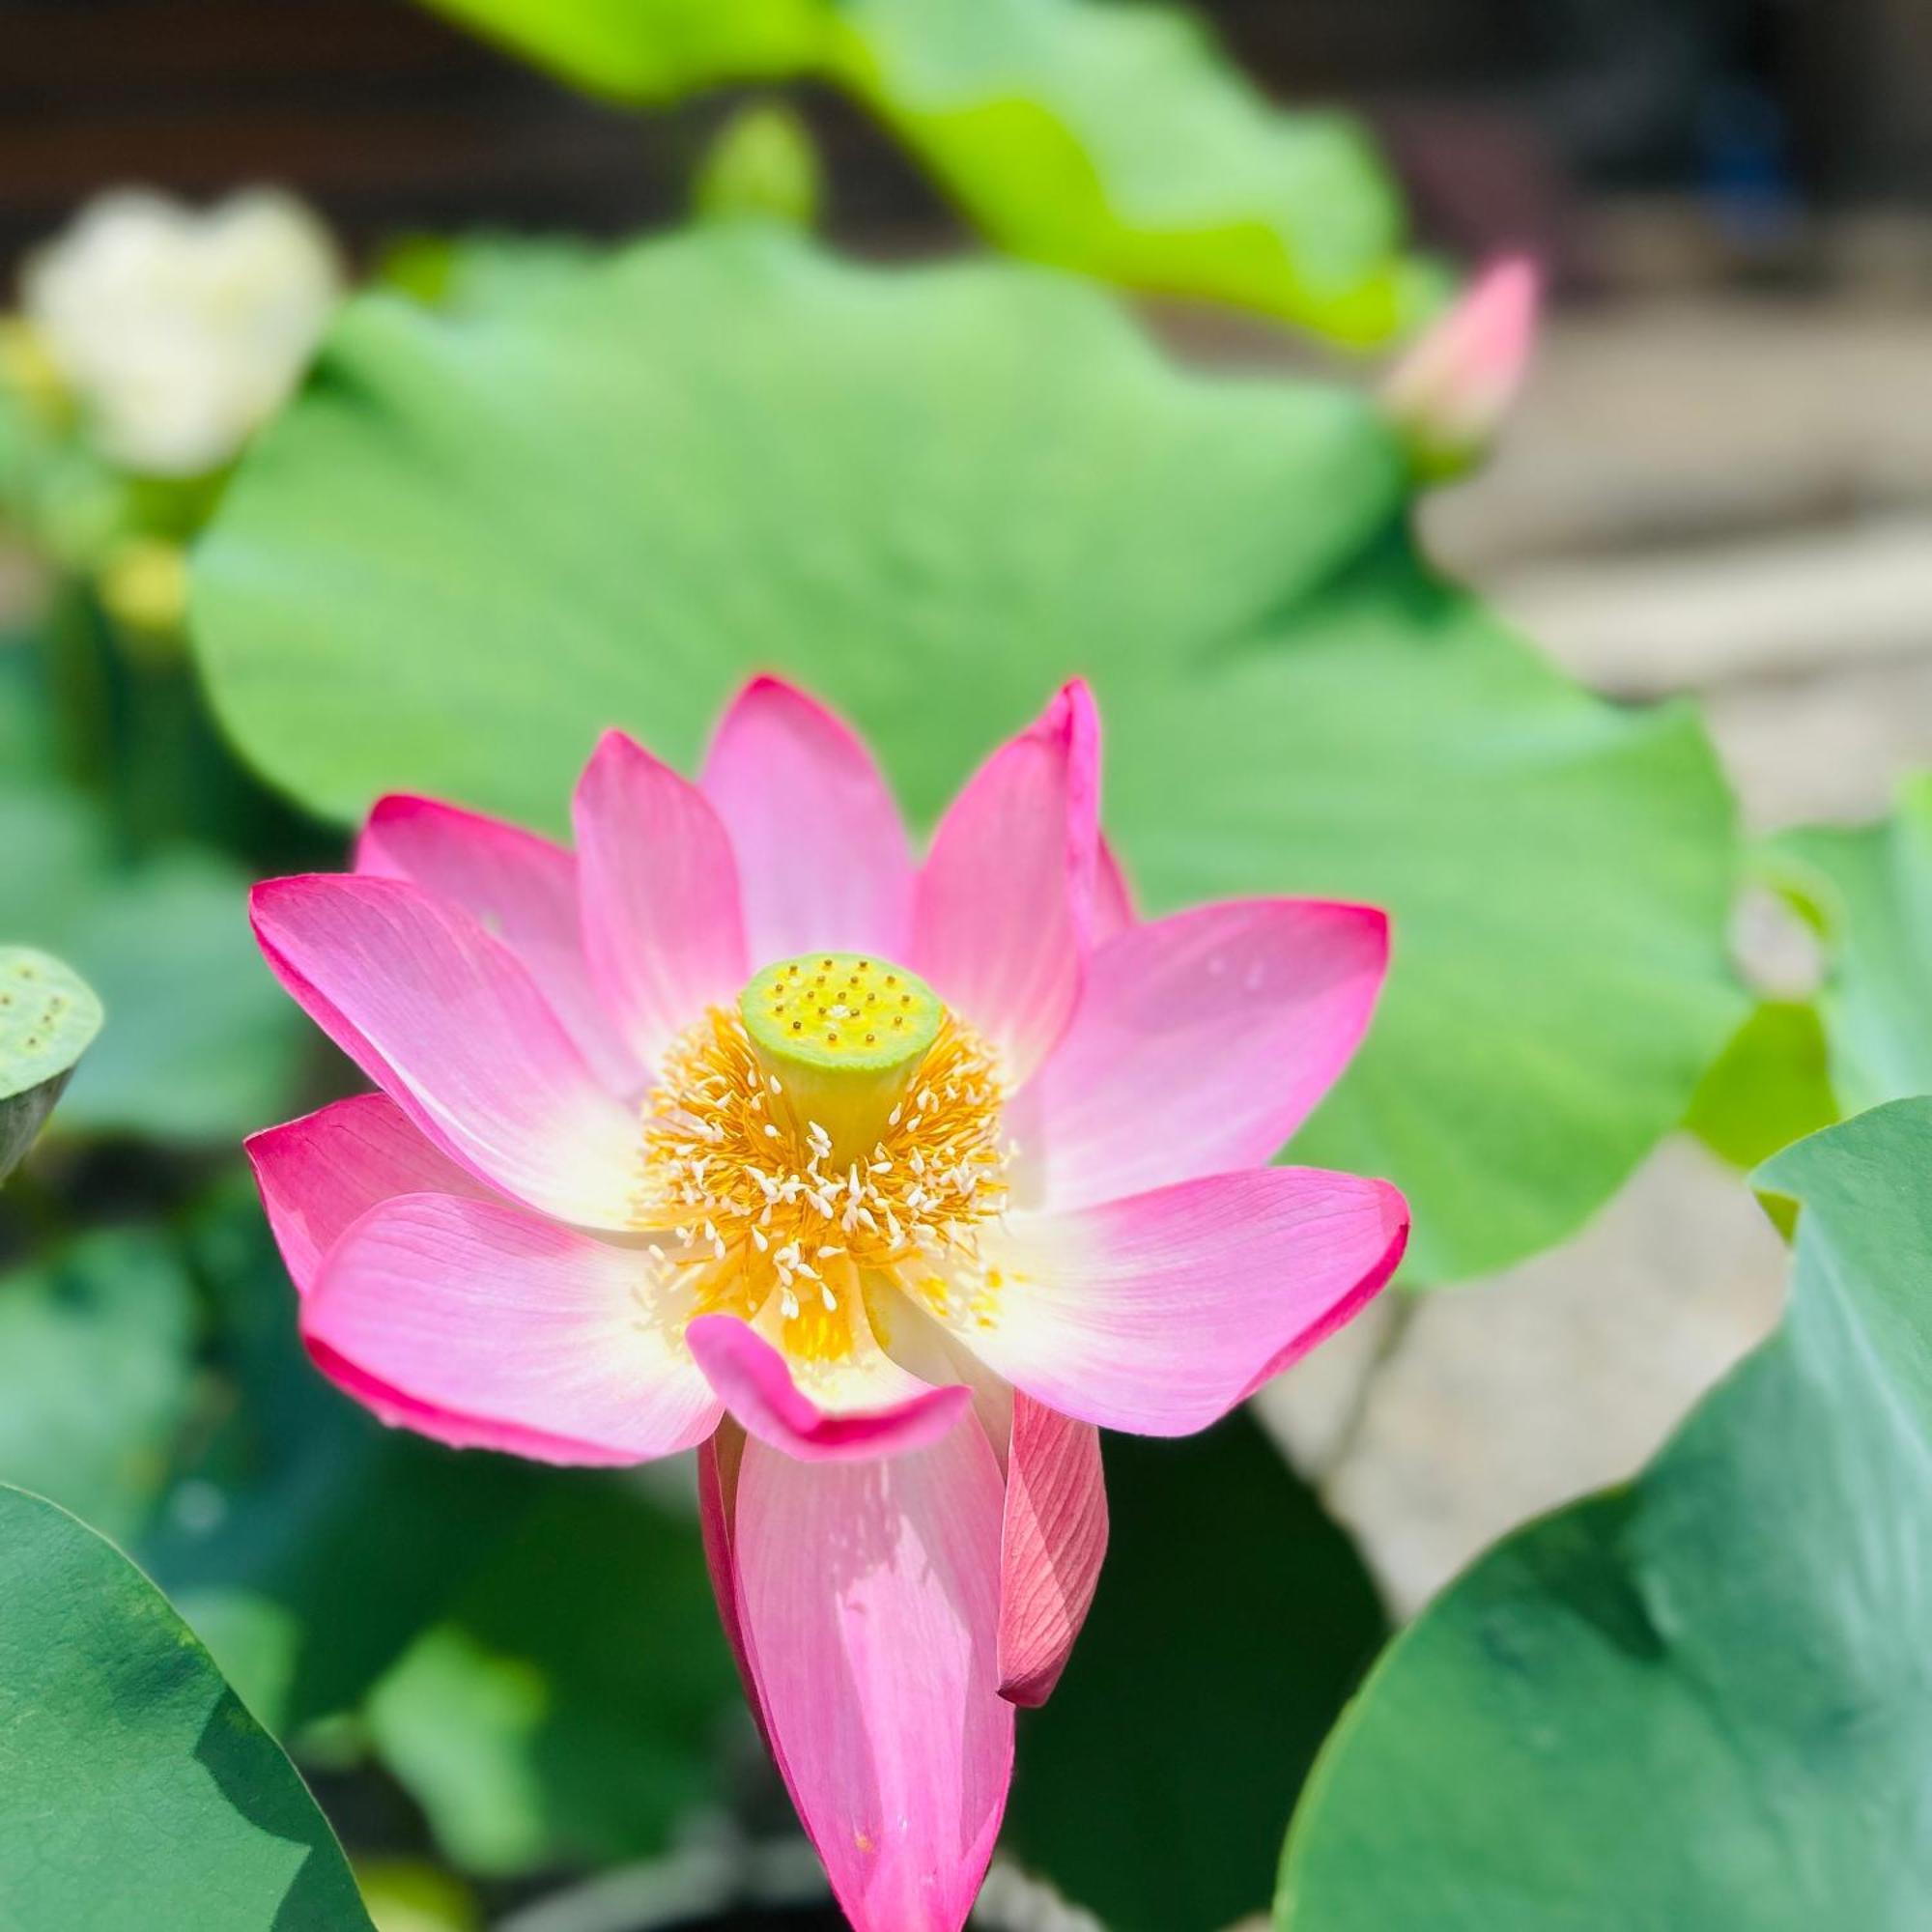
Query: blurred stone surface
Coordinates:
[1667,423]
[1501,1400]
[1764,606]
[1829,746]
[1812,652]
[1014,1901]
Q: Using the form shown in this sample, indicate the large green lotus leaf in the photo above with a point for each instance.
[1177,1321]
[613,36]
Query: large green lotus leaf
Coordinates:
[1115,141]
[306,1543]
[1869,889]
[1231,1622]
[135,1790]
[1702,1700]
[570,1707]
[478,540]
[201,1045]
[97,1374]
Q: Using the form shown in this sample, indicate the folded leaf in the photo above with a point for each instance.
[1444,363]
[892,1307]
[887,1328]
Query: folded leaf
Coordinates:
[1771,1085]
[1116,140]
[655,50]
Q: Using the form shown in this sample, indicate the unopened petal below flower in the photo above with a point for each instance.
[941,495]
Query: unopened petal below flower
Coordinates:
[719,1458]
[1053,1538]
[868,1603]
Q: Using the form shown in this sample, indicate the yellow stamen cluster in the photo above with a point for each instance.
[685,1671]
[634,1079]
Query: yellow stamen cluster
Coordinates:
[766,1212]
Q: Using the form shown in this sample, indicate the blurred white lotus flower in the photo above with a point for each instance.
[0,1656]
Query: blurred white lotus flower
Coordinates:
[182,332]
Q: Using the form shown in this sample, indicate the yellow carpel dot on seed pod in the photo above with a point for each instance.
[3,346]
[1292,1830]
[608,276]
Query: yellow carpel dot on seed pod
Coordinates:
[837,1133]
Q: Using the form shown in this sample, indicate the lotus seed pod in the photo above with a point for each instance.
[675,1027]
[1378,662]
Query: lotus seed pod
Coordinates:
[841,1036]
[48,1015]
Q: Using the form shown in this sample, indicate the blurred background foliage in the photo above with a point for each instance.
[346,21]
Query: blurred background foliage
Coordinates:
[145,1789]
[430,509]
[1112,140]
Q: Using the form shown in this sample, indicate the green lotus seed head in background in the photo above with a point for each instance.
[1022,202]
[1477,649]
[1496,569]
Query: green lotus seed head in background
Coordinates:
[48,1017]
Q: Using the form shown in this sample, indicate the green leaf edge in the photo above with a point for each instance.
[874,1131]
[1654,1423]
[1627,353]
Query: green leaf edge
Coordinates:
[327,1841]
[1785,1183]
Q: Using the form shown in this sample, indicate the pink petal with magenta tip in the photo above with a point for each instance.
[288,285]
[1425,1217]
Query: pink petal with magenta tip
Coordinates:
[447,1021]
[663,926]
[868,1597]
[755,1384]
[1156,1315]
[1004,907]
[1201,1043]
[501,1330]
[821,849]
[324,1171]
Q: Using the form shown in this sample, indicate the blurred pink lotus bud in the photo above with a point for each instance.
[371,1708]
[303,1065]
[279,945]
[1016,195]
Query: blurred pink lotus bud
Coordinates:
[1450,394]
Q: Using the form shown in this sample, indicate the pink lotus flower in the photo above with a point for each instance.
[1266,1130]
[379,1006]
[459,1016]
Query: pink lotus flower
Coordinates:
[883,1183]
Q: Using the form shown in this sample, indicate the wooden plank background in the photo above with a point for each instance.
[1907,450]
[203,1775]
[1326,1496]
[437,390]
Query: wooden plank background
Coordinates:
[393,120]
